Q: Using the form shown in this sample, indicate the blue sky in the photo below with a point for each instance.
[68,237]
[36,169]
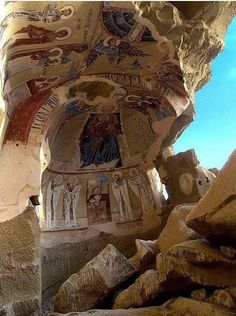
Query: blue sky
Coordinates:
[213,132]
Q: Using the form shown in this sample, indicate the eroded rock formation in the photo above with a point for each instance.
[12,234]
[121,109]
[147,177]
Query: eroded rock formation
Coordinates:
[90,110]
[185,180]
[188,261]
[214,215]
[185,265]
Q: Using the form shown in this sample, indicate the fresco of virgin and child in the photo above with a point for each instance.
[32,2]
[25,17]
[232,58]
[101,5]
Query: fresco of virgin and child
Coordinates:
[99,141]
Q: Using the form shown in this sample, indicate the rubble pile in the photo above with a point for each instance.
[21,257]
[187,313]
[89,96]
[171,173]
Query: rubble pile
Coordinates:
[193,264]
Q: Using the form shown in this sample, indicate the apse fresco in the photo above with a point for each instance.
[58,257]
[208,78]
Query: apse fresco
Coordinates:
[76,107]
[99,141]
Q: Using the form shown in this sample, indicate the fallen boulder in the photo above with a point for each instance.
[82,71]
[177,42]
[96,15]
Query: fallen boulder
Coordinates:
[222,297]
[171,269]
[214,216]
[145,255]
[189,307]
[179,306]
[176,231]
[146,311]
[199,251]
[87,288]
[145,288]
[185,180]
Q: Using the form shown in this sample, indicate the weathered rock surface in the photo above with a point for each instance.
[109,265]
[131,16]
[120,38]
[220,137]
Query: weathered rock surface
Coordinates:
[145,288]
[177,307]
[215,215]
[87,288]
[215,171]
[199,251]
[228,251]
[146,252]
[147,311]
[63,256]
[20,265]
[185,180]
[176,231]
[222,297]
[199,294]
[189,307]
[197,32]
[172,268]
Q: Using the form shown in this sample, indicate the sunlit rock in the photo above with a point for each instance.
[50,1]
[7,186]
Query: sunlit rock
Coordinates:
[215,215]
[176,231]
[185,180]
[145,288]
[98,278]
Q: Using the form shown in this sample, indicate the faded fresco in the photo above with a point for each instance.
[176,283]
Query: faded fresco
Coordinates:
[98,202]
[70,200]
[103,89]
[99,141]
[47,54]
[77,201]
[142,188]
[52,197]
[120,191]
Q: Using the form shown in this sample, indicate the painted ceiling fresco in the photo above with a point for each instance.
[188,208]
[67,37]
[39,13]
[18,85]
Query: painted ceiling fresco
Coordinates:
[95,59]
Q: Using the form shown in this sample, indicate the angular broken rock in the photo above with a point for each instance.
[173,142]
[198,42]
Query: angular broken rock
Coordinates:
[222,297]
[228,251]
[172,269]
[214,216]
[87,288]
[180,306]
[146,311]
[199,251]
[185,180]
[189,307]
[146,252]
[145,288]
[199,294]
[176,231]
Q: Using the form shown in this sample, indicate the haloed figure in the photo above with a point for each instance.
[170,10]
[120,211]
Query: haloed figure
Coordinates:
[49,14]
[70,200]
[32,34]
[140,185]
[53,193]
[120,191]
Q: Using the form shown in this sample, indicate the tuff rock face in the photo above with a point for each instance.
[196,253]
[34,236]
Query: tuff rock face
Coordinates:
[145,288]
[185,262]
[185,180]
[177,307]
[20,292]
[80,82]
[215,215]
[87,288]
[189,262]
[176,231]
[146,252]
